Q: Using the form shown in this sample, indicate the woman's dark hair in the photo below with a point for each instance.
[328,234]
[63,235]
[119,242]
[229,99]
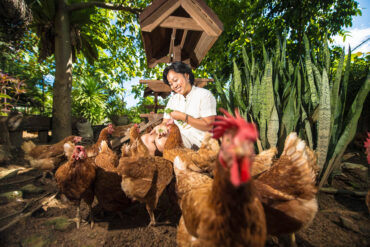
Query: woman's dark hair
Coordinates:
[178,67]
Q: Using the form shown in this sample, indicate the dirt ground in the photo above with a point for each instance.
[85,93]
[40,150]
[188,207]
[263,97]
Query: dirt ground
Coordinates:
[342,220]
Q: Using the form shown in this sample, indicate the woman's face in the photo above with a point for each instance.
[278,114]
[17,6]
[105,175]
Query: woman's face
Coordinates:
[179,83]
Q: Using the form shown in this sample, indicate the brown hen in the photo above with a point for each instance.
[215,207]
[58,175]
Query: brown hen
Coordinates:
[227,211]
[107,186]
[200,160]
[144,179]
[288,190]
[47,157]
[93,150]
[75,179]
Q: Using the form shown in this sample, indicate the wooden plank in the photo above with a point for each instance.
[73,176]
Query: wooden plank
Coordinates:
[160,86]
[154,61]
[43,136]
[147,45]
[176,53]
[180,23]
[203,46]
[210,13]
[157,85]
[147,115]
[203,20]
[183,38]
[154,19]
[29,123]
[153,106]
[150,9]
[172,43]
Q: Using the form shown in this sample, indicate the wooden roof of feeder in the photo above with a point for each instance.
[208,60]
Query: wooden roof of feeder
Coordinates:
[163,90]
[178,30]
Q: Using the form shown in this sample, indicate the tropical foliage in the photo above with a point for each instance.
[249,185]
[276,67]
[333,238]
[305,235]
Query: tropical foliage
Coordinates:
[10,91]
[308,97]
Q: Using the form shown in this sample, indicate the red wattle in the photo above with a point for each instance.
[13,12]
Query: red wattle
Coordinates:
[234,174]
[245,174]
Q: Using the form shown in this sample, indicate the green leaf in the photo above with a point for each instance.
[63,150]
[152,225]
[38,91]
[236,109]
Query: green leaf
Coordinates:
[323,121]
[349,130]
[273,128]
[314,98]
[307,127]
[238,87]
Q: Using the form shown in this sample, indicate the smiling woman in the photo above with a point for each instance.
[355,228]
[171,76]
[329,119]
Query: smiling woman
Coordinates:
[192,108]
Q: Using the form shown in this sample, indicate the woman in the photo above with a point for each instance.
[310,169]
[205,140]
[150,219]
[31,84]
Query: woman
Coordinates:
[193,109]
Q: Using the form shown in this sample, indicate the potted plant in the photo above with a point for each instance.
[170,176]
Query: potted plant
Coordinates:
[117,112]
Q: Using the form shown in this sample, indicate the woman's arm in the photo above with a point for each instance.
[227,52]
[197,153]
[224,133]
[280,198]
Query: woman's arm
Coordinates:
[203,123]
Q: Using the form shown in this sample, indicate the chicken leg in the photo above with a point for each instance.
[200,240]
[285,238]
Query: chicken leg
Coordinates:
[77,219]
[150,208]
[91,217]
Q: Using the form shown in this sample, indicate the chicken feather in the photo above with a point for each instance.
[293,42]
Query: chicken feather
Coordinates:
[287,190]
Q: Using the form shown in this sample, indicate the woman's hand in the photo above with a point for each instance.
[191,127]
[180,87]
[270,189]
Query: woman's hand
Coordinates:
[178,115]
[160,130]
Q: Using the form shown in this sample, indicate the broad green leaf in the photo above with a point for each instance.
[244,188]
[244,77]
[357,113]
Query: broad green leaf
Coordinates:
[273,128]
[238,87]
[323,127]
[307,127]
[314,97]
[349,130]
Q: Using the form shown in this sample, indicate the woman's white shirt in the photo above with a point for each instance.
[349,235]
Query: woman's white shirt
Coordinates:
[199,102]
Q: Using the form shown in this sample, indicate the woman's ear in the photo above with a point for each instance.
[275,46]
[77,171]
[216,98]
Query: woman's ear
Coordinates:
[186,75]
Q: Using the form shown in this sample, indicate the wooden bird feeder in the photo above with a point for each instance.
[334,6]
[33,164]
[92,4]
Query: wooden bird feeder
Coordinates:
[178,30]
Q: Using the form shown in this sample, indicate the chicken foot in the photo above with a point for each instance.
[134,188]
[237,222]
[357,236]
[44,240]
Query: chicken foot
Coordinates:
[78,219]
[150,210]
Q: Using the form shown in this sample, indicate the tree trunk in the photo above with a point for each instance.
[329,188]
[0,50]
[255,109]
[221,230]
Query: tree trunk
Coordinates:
[61,125]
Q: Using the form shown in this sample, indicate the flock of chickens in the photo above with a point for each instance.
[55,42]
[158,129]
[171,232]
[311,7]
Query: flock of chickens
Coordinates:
[228,195]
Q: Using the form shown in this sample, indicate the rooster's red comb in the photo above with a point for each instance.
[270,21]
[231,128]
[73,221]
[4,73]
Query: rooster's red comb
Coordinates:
[245,129]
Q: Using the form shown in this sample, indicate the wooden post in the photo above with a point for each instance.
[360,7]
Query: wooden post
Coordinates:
[43,136]
[155,102]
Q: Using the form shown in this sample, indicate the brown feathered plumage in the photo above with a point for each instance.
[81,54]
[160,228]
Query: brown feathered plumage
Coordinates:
[263,161]
[226,212]
[201,160]
[288,190]
[93,150]
[144,179]
[137,147]
[75,179]
[107,186]
[47,157]
[187,179]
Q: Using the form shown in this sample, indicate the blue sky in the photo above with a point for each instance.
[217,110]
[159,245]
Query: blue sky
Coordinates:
[359,31]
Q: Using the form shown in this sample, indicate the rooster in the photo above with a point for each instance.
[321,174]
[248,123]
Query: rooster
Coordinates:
[75,179]
[226,212]
[107,187]
[47,157]
[144,179]
[93,150]
[287,190]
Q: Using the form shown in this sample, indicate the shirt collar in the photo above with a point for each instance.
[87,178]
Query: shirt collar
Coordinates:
[191,92]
